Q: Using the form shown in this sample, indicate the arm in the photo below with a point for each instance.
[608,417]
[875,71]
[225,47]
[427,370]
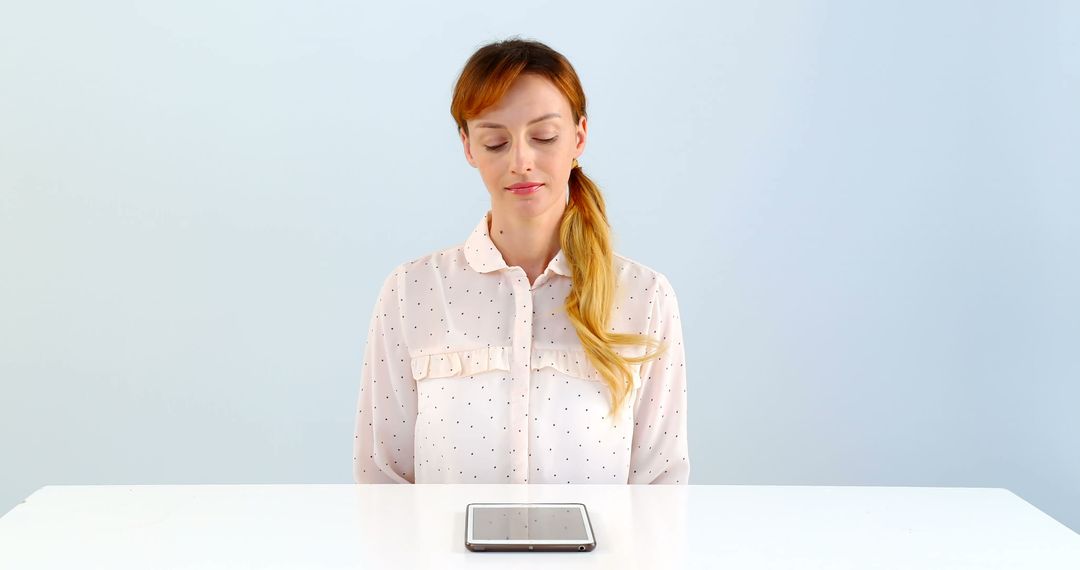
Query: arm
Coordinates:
[386,411]
[660,454]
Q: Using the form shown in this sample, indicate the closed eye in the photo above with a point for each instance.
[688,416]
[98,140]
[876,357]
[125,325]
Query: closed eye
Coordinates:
[545,141]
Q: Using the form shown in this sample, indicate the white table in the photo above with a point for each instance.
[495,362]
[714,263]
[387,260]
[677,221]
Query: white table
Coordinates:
[636,526]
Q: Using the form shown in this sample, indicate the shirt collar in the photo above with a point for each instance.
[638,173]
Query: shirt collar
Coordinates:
[484,257]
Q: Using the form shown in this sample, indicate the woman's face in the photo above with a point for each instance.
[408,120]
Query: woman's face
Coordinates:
[508,147]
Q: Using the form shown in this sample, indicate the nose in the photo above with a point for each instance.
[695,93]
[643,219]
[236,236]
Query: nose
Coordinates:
[521,159]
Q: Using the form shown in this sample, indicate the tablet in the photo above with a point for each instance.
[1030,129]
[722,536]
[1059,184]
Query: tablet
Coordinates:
[528,526]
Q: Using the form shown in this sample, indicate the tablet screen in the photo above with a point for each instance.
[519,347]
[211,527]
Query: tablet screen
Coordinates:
[536,522]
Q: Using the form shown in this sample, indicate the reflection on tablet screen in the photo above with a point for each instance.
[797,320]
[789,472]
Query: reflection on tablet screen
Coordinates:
[509,523]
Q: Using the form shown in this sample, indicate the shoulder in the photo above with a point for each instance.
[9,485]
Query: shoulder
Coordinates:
[436,259]
[431,268]
[631,270]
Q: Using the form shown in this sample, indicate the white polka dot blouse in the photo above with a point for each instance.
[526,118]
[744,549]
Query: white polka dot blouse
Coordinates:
[472,374]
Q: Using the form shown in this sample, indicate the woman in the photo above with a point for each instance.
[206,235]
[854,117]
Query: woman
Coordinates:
[520,356]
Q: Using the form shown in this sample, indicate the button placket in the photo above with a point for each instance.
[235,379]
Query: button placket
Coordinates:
[521,370]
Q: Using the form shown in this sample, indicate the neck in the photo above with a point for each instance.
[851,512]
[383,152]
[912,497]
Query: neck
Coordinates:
[528,243]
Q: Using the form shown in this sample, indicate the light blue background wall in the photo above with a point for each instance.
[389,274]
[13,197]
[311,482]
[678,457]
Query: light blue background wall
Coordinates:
[868,210]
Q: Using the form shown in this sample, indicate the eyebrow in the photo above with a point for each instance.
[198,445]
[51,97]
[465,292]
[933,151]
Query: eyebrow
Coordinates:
[536,120]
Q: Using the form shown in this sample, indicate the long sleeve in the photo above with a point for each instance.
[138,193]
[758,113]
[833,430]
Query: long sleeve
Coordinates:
[386,411]
[660,452]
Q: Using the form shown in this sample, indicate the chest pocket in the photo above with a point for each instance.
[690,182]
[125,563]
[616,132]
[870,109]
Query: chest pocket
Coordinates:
[461,362]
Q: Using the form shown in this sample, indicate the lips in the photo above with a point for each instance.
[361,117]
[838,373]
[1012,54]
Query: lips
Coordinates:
[521,188]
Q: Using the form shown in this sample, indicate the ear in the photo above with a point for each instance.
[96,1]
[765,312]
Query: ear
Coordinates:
[582,134]
[465,145]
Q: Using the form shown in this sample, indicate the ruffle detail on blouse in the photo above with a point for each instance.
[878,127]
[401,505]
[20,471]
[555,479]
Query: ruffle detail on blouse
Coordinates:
[461,362]
[572,362]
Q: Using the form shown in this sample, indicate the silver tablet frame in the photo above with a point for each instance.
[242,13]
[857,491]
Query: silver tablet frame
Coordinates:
[527,544]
